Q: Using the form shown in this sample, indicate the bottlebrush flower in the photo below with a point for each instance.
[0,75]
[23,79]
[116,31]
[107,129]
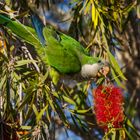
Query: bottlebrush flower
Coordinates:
[108,106]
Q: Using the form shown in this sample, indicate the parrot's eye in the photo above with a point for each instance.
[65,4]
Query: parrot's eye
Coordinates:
[99,61]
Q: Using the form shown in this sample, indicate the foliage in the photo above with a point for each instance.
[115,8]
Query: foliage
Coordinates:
[31,106]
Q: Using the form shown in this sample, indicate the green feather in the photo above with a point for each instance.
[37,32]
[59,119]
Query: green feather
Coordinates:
[65,53]
[59,55]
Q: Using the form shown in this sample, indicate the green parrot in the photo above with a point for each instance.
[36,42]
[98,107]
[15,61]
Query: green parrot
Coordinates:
[60,51]
[68,56]
[64,53]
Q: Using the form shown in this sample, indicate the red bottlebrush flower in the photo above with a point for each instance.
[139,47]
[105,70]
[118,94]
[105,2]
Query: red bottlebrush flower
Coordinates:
[108,106]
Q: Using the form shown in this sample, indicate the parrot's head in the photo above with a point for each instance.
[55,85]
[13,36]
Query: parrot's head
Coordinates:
[95,69]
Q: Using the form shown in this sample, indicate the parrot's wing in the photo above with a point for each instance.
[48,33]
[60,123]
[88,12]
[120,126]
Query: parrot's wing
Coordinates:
[73,44]
[76,48]
[59,55]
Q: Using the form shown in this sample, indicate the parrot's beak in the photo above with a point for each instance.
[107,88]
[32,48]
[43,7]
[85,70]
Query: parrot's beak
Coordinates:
[104,70]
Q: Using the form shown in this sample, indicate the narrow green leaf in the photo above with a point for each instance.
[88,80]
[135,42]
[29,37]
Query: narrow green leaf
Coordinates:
[51,104]
[128,134]
[26,99]
[84,7]
[115,65]
[68,100]
[81,123]
[3,80]
[30,110]
[129,7]
[116,78]
[4,57]
[24,62]
[48,98]
[44,77]
[100,80]
[113,134]
[48,115]
[75,122]
[16,76]
[128,122]
[88,4]
[80,111]
[122,134]
[35,110]
[94,15]
[41,113]
[61,114]
[25,127]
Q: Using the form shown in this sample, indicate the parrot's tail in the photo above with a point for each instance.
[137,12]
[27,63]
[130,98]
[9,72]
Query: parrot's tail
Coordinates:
[38,25]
